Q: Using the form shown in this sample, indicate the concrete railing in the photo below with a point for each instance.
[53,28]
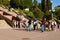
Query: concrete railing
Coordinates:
[10,22]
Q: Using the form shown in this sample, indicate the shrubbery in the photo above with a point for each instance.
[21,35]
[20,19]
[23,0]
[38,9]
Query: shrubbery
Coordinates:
[27,13]
[30,14]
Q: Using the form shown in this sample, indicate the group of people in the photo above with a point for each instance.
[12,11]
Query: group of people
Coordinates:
[33,24]
[52,24]
[17,21]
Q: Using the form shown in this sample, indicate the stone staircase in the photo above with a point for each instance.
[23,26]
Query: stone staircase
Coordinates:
[8,12]
[4,25]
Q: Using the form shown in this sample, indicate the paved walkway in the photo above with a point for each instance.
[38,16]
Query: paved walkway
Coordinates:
[25,35]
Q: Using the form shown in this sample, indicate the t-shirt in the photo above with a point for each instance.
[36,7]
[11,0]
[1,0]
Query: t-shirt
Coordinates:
[43,22]
[52,23]
[35,23]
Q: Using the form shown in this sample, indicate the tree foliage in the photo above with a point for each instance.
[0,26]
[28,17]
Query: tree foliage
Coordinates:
[0,1]
[49,5]
[57,13]
[38,13]
[4,2]
[35,3]
[28,3]
[47,15]
[21,3]
[39,6]
[43,5]
[14,3]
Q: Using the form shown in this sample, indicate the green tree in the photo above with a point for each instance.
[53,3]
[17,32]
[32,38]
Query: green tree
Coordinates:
[47,15]
[0,1]
[38,13]
[49,5]
[57,12]
[15,3]
[21,3]
[28,3]
[25,4]
[35,3]
[4,2]
[43,5]
[39,6]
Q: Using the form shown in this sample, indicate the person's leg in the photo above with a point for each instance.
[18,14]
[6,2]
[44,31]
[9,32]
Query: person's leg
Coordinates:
[14,26]
[18,24]
[24,25]
[42,28]
[28,27]
[45,27]
[34,27]
[52,27]
[49,28]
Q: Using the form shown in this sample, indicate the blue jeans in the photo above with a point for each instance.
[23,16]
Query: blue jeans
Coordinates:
[42,28]
[29,27]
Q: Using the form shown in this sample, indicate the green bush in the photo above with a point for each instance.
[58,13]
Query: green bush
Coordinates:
[20,11]
[30,14]
[27,13]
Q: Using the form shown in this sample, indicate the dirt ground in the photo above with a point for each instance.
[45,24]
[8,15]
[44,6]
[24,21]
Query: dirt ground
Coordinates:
[10,34]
